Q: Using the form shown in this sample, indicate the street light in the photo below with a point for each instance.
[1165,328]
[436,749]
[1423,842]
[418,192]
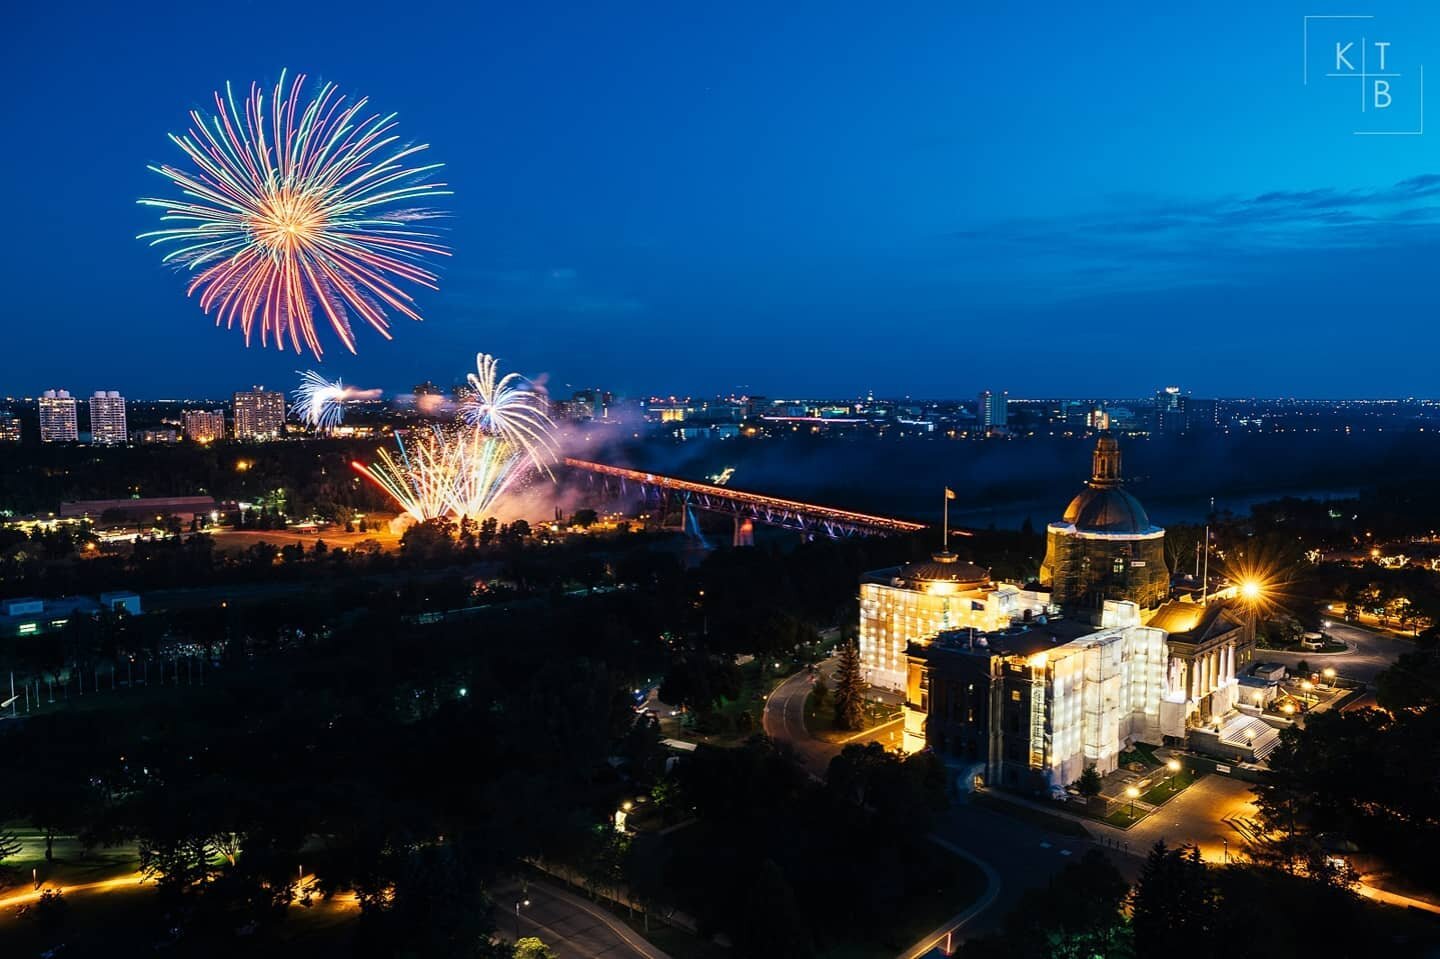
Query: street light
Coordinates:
[1329,674]
[1134,794]
[1174,767]
[518,904]
[1307,686]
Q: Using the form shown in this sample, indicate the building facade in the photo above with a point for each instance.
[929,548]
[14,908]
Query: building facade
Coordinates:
[259,414]
[203,426]
[1104,547]
[994,411]
[903,604]
[1031,706]
[58,420]
[107,418]
[1210,645]
[9,427]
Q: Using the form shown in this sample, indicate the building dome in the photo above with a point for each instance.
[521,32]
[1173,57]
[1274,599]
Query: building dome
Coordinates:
[1104,547]
[945,568]
[1104,506]
[1106,510]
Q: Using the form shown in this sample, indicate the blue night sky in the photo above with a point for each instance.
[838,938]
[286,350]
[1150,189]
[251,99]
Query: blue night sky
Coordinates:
[920,198]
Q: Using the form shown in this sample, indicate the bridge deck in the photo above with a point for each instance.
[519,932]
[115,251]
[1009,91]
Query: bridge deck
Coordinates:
[740,498]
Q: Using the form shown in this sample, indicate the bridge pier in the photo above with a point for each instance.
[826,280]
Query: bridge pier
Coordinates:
[744,532]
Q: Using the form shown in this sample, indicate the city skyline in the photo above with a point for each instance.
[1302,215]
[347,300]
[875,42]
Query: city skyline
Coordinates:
[791,203]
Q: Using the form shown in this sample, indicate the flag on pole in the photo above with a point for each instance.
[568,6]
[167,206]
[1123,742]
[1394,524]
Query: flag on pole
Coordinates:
[949,493]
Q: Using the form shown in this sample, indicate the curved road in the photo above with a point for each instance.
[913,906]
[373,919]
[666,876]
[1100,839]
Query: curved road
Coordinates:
[784,721]
[1368,655]
[567,923]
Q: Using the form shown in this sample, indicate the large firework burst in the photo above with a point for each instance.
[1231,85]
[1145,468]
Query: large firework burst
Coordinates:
[296,208]
[457,471]
[509,407]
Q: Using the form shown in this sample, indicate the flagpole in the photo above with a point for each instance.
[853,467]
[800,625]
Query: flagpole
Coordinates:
[945,512]
[1205,579]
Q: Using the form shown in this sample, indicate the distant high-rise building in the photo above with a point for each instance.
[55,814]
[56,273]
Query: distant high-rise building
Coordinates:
[107,418]
[1169,415]
[9,427]
[259,415]
[203,426]
[994,409]
[58,422]
[1201,415]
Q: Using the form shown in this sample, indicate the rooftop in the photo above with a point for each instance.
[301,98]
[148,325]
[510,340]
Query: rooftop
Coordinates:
[1021,639]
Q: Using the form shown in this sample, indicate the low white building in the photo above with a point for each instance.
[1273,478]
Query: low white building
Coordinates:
[905,604]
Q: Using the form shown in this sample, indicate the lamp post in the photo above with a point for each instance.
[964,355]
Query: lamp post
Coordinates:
[519,903]
[1134,794]
[1329,674]
[1306,686]
[1174,766]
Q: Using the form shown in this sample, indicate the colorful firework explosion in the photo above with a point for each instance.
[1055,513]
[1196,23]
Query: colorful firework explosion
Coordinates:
[509,407]
[456,472]
[291,211]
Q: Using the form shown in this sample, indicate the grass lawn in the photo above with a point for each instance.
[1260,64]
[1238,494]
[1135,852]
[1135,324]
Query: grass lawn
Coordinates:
[677,943]
[1120,818]
[1166,788]
[1035,817]
[922,913]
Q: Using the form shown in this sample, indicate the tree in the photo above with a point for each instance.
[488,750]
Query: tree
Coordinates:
[1078,915]
[850,689]
[820,696]
[774,924]
[10,844]
[1088,785]
[532,948]
[1176,908]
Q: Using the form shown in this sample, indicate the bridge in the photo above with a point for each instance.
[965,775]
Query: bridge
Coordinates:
[746,509]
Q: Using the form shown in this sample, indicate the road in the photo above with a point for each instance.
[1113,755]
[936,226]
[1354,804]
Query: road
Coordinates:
[1368,655]
[1020,856]
[567,923]
[784,720]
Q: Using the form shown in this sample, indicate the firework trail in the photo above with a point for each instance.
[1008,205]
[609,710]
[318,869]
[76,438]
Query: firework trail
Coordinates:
[491,465]
[421,479]
[509,407]
[294,211]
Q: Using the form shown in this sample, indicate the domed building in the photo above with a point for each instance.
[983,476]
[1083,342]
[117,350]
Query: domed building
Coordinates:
[910,603]
[1104,546]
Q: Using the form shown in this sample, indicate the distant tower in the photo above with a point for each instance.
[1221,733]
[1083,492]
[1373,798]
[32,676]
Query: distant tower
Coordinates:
[204,426]
[1171,411]
[58,422]
[259,414]
[107,418]
[994,410]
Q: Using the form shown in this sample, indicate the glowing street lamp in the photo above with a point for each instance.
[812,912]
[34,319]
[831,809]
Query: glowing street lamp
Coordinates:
[1174,766]
[519,903]
[1134,794]
[1329,674]
[1251,591]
